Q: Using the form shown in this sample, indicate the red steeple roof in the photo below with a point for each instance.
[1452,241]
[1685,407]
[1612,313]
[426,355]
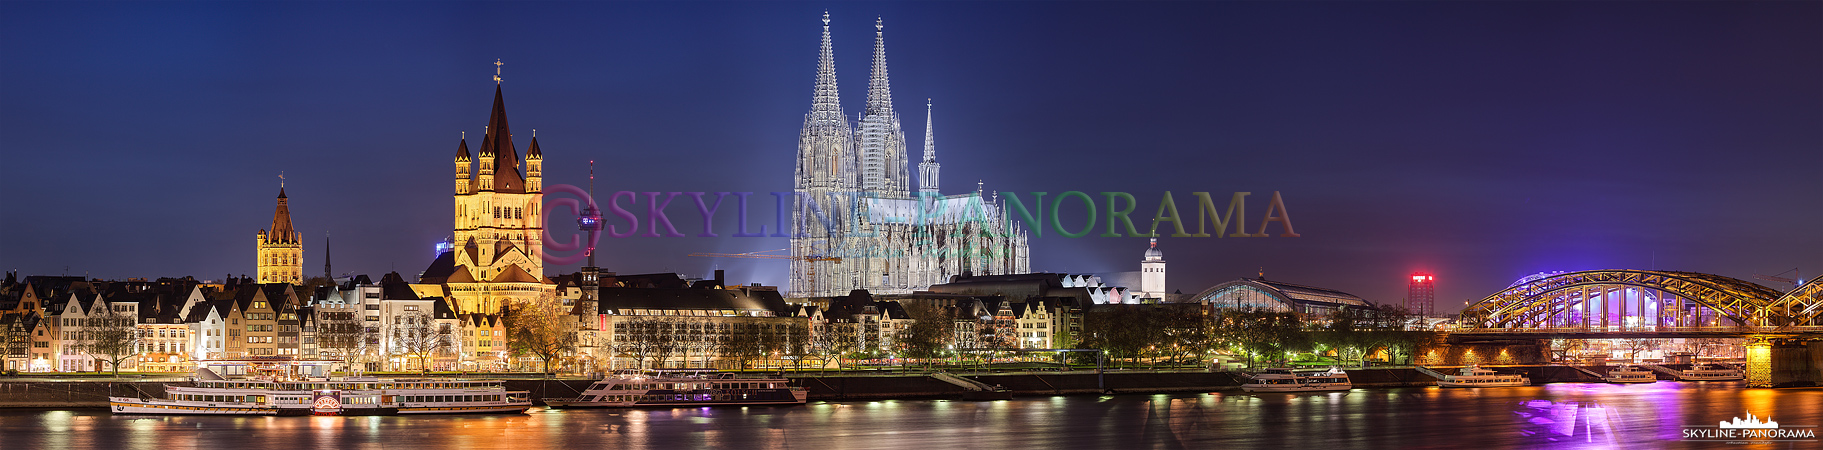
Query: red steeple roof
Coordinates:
[499,143]
[281,223]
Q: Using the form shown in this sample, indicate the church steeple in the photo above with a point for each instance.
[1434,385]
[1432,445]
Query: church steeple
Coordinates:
[279,250]
[326,272]
[825,158]
[534,166]
[927,170]
[463,164]
[881,140]
[282,233]
[499,144]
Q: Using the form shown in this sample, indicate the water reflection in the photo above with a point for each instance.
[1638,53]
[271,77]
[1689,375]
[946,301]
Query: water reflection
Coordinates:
[1593,416]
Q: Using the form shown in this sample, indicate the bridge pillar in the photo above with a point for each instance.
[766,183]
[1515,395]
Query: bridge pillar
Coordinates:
[1759,361]
[1784,362]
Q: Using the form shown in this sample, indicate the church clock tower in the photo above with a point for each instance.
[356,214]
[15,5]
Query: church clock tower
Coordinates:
[280,250]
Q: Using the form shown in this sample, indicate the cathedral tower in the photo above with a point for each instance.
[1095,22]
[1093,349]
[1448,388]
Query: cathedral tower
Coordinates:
[881,140]
[280,250]
[824,180]
[499,237]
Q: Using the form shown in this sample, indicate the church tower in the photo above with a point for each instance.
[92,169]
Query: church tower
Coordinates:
[1152,274]
[881,140]
[280,249]
[499,237]
[927,170]
[824,183]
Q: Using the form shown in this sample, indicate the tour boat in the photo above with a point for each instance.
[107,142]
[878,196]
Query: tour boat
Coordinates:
[682,389]
[1288,380]
[350,396]
[1706,372]
[1630,374]
[1475,376]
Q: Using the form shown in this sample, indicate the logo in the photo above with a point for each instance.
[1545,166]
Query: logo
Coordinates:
[1751,430]
[1751,423]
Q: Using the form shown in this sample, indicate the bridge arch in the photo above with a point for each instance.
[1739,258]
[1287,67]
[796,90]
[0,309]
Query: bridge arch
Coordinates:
[1627,300]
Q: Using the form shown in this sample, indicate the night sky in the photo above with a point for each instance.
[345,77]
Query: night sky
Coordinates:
[1482,141]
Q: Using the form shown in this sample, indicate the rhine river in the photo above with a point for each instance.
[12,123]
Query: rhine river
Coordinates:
[1569,415]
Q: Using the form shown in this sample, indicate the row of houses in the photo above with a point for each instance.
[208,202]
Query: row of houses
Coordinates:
[626,321]
[51,324]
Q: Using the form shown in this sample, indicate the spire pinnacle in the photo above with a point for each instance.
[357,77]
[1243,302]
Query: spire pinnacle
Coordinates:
[281,182]
[927,170]
[497,65]
[825,19]
[930,146]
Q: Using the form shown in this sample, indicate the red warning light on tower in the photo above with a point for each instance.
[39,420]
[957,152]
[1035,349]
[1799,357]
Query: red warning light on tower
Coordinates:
[1421,294]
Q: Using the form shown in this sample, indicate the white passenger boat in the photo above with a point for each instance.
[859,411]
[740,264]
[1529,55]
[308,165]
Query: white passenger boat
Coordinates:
[682,389]
[351,396]
[1630,374]
[1475,376]
[1288,380]
[1707,372]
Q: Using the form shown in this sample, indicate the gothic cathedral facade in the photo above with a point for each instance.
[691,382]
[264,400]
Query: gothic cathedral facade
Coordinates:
[858,224]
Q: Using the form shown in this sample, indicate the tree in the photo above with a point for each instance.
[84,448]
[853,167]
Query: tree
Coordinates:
[109,335]
[418,337]
[833,340]
[1263,332]
[655,338]
[794,341]
[340,339]
[928,334]
[750,340]
[539,328]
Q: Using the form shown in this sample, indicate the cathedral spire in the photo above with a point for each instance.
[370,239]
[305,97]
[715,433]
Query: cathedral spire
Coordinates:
[883,163]
[927,170]
[825,158]
[326,272]
[879,87]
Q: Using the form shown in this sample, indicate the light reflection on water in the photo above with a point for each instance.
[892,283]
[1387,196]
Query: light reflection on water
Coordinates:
[1592,416]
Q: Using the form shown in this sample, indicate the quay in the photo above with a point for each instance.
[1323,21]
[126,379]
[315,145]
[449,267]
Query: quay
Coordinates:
[45,392]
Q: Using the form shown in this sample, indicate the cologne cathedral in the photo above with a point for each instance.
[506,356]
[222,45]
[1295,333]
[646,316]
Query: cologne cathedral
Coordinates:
[857,224]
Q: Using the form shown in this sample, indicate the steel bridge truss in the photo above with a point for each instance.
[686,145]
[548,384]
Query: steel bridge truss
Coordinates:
[1645,300]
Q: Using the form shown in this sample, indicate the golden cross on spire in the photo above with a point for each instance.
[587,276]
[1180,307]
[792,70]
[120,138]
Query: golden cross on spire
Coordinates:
[497,65]
[281,179]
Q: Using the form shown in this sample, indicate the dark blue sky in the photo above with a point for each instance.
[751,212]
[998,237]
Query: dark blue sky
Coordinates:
[1482,141]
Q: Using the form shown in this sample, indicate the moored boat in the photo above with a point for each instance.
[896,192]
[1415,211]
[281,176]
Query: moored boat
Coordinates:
[1707,372]
[682,389]
[350,396]
[1288,380]
[1630,374]
[1475,376]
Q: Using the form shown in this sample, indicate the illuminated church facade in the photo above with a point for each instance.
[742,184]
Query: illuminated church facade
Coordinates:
[498,239]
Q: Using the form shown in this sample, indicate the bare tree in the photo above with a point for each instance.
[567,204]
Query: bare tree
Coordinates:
[110,336]
[420,338]
[339,339]
[833,340]
[540,328]
[929,333]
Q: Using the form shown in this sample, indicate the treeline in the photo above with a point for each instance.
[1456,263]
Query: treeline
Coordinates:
[1189,334]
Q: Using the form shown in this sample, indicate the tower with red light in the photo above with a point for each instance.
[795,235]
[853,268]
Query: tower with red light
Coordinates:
[1421,296]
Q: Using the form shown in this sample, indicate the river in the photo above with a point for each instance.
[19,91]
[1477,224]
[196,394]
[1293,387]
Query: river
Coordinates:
[1565,415]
